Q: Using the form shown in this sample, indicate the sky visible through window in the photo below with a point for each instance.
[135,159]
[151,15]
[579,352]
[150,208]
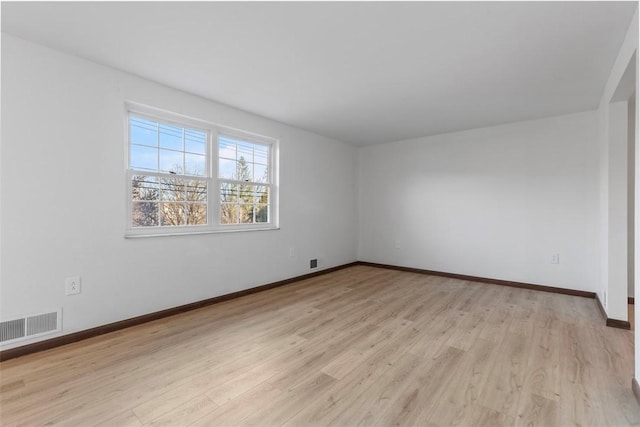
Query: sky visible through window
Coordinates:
[161,147]
[242,160]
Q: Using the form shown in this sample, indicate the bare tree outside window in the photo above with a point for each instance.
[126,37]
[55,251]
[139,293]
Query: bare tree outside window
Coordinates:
[169,201]
[244,185]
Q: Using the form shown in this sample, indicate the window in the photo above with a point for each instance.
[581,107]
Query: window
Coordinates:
[189,176]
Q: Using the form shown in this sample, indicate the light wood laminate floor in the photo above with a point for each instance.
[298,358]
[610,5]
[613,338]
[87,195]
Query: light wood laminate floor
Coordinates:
[359,346]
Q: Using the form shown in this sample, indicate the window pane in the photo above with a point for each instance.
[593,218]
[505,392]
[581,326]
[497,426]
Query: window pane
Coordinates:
[172,189]
[245,151]
[246,214]
[227,147]
[228,192]
[262,213]
[144,214]
[228,213]
[196,191]
[195,141]
[261,195]
[261,154]
[252,160]
[171,161]
[171,137]
[172,214]
[227,169]
[195,164]
[246,193]
[245,170]
[143,131]
[260,173]
[144,188]
[143,158]
[196,214]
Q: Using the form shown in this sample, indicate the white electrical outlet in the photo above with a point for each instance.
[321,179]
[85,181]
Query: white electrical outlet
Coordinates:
[397,243]
[72,285]
[555,259]
[292,252]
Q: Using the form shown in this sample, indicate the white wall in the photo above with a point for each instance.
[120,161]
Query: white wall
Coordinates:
[63,199]
[494,202]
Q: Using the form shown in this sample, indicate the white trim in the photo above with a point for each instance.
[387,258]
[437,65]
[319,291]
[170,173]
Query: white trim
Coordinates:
[246,136]
[274,176]
[182,232]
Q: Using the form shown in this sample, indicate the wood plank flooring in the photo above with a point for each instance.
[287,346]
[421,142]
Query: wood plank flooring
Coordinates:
[359,346]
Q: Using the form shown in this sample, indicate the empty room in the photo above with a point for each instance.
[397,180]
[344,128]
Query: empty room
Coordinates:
[319,213]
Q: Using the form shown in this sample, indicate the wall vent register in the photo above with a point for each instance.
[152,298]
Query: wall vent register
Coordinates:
[24,327]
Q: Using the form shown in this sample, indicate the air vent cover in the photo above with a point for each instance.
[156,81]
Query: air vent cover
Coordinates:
[23,327]
[12,329]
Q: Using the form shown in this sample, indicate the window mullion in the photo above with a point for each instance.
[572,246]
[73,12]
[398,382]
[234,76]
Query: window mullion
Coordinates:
[184,181]
[184,155]
[213,190]
[253,204]
[158,145]
[184,201]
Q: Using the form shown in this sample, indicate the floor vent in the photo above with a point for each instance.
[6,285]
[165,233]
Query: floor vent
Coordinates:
[24,327]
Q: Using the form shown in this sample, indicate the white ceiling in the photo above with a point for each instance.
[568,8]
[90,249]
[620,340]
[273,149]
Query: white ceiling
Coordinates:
[360,72]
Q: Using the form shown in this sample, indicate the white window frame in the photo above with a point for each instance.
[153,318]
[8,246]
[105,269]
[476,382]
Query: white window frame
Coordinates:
[213,182]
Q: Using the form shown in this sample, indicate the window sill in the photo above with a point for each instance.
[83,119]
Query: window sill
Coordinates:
[137,235]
